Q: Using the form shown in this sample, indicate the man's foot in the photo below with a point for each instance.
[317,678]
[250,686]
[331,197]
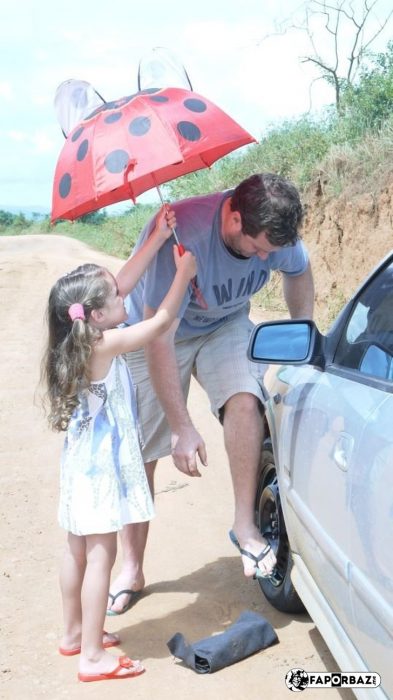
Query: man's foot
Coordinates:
[122,595]
[130,596]
[258,557]
[71,647]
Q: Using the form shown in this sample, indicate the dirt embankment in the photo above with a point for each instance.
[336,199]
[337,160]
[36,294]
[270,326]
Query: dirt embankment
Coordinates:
[346,237]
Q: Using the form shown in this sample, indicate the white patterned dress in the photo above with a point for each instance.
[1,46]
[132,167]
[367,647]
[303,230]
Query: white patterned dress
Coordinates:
[103,483]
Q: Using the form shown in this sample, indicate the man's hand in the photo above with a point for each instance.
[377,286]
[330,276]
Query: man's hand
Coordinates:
[185,447]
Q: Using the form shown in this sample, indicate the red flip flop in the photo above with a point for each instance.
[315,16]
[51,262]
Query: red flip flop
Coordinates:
[135,669]
[77,650]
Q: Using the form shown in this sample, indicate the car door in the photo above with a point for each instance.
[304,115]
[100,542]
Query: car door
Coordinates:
[366,346]
[315,461]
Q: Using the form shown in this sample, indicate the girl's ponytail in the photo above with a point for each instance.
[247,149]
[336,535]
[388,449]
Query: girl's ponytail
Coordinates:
[71,338]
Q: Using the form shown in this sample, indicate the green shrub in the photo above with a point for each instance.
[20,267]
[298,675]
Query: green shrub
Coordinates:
[368,104]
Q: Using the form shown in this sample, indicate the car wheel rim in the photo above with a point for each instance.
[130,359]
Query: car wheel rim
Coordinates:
[271,525]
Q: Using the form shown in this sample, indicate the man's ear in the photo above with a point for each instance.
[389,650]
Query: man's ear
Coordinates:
[237,219]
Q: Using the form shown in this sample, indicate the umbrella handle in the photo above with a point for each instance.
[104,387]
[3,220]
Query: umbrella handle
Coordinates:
[200,299]
[179,245]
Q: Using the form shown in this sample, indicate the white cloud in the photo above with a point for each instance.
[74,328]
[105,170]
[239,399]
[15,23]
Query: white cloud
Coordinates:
[6,92]
[18,136]
[223,38]
[42,100]
[42,142]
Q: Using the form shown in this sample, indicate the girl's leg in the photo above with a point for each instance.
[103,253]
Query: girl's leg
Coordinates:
[72,571]
[100,557]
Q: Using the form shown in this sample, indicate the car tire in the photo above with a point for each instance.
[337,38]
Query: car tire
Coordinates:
[279,590]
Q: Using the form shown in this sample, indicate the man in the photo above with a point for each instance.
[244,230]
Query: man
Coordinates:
[238,237]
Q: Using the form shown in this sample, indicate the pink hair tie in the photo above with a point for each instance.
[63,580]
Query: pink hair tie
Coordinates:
[76,311]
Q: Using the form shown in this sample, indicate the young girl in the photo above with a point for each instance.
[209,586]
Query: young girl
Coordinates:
[103,481]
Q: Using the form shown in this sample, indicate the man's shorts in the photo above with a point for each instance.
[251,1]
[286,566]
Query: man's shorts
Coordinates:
[218,360]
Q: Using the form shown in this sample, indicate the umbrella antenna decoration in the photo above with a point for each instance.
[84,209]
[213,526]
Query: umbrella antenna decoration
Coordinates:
[160,68]
[75,100]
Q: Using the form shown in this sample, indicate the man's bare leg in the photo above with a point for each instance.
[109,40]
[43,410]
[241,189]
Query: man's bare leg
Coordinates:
[133,540]
[243,436]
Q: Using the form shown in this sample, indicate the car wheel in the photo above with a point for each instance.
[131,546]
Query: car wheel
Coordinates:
[279,589]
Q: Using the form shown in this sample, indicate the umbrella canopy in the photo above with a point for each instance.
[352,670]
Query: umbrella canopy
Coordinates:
[126,147]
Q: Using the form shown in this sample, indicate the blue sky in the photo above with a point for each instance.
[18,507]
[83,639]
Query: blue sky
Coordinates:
[225,46]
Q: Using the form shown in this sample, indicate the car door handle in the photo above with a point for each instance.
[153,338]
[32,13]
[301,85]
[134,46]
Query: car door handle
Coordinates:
[342,451]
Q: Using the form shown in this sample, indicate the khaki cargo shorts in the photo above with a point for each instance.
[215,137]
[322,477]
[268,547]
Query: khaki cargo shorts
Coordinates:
[218,361]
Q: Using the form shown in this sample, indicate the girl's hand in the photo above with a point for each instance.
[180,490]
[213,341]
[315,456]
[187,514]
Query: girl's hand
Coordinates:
[165,222]
[186,262]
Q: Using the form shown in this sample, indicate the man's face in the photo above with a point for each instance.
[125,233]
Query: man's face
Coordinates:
[247,246]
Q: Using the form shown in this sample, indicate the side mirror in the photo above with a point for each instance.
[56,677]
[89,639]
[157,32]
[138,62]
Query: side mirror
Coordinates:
[283,342]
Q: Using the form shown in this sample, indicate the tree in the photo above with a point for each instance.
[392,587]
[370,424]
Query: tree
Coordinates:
[369,103]
[6,218]
[341,35]
[350,33]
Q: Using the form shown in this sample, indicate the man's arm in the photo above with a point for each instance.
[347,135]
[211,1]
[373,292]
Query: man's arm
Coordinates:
[164,373]
[299,294]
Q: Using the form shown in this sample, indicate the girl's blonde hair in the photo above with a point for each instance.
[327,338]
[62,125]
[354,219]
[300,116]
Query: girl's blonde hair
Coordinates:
[66,360]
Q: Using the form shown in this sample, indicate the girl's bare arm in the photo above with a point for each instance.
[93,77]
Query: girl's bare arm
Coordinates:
[136,265]
[120,340]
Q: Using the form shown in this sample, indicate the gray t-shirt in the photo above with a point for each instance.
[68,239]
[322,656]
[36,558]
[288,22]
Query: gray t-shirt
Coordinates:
[227,282]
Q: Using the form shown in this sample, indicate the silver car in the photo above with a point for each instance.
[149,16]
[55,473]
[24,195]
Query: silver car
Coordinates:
[325,494]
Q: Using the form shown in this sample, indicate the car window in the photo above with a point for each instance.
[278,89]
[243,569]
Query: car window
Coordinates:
[367,342]
[377,362]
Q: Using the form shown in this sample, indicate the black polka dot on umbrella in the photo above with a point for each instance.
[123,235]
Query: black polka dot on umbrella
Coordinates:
[82,150]
[77,133]
[189,131]
[112,118]
[65,185]
[116,161]
[139,126]
[159,98]
[195,105]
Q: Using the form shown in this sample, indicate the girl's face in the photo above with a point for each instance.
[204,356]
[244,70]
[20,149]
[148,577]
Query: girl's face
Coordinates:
[113,311]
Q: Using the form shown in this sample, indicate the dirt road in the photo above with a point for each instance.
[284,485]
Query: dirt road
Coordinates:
[195,582]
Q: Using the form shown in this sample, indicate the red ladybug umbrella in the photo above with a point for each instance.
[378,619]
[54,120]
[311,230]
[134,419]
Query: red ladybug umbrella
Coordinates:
[126,147]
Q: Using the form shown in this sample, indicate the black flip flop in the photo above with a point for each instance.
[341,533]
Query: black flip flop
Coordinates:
[264,552]
[134,595]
